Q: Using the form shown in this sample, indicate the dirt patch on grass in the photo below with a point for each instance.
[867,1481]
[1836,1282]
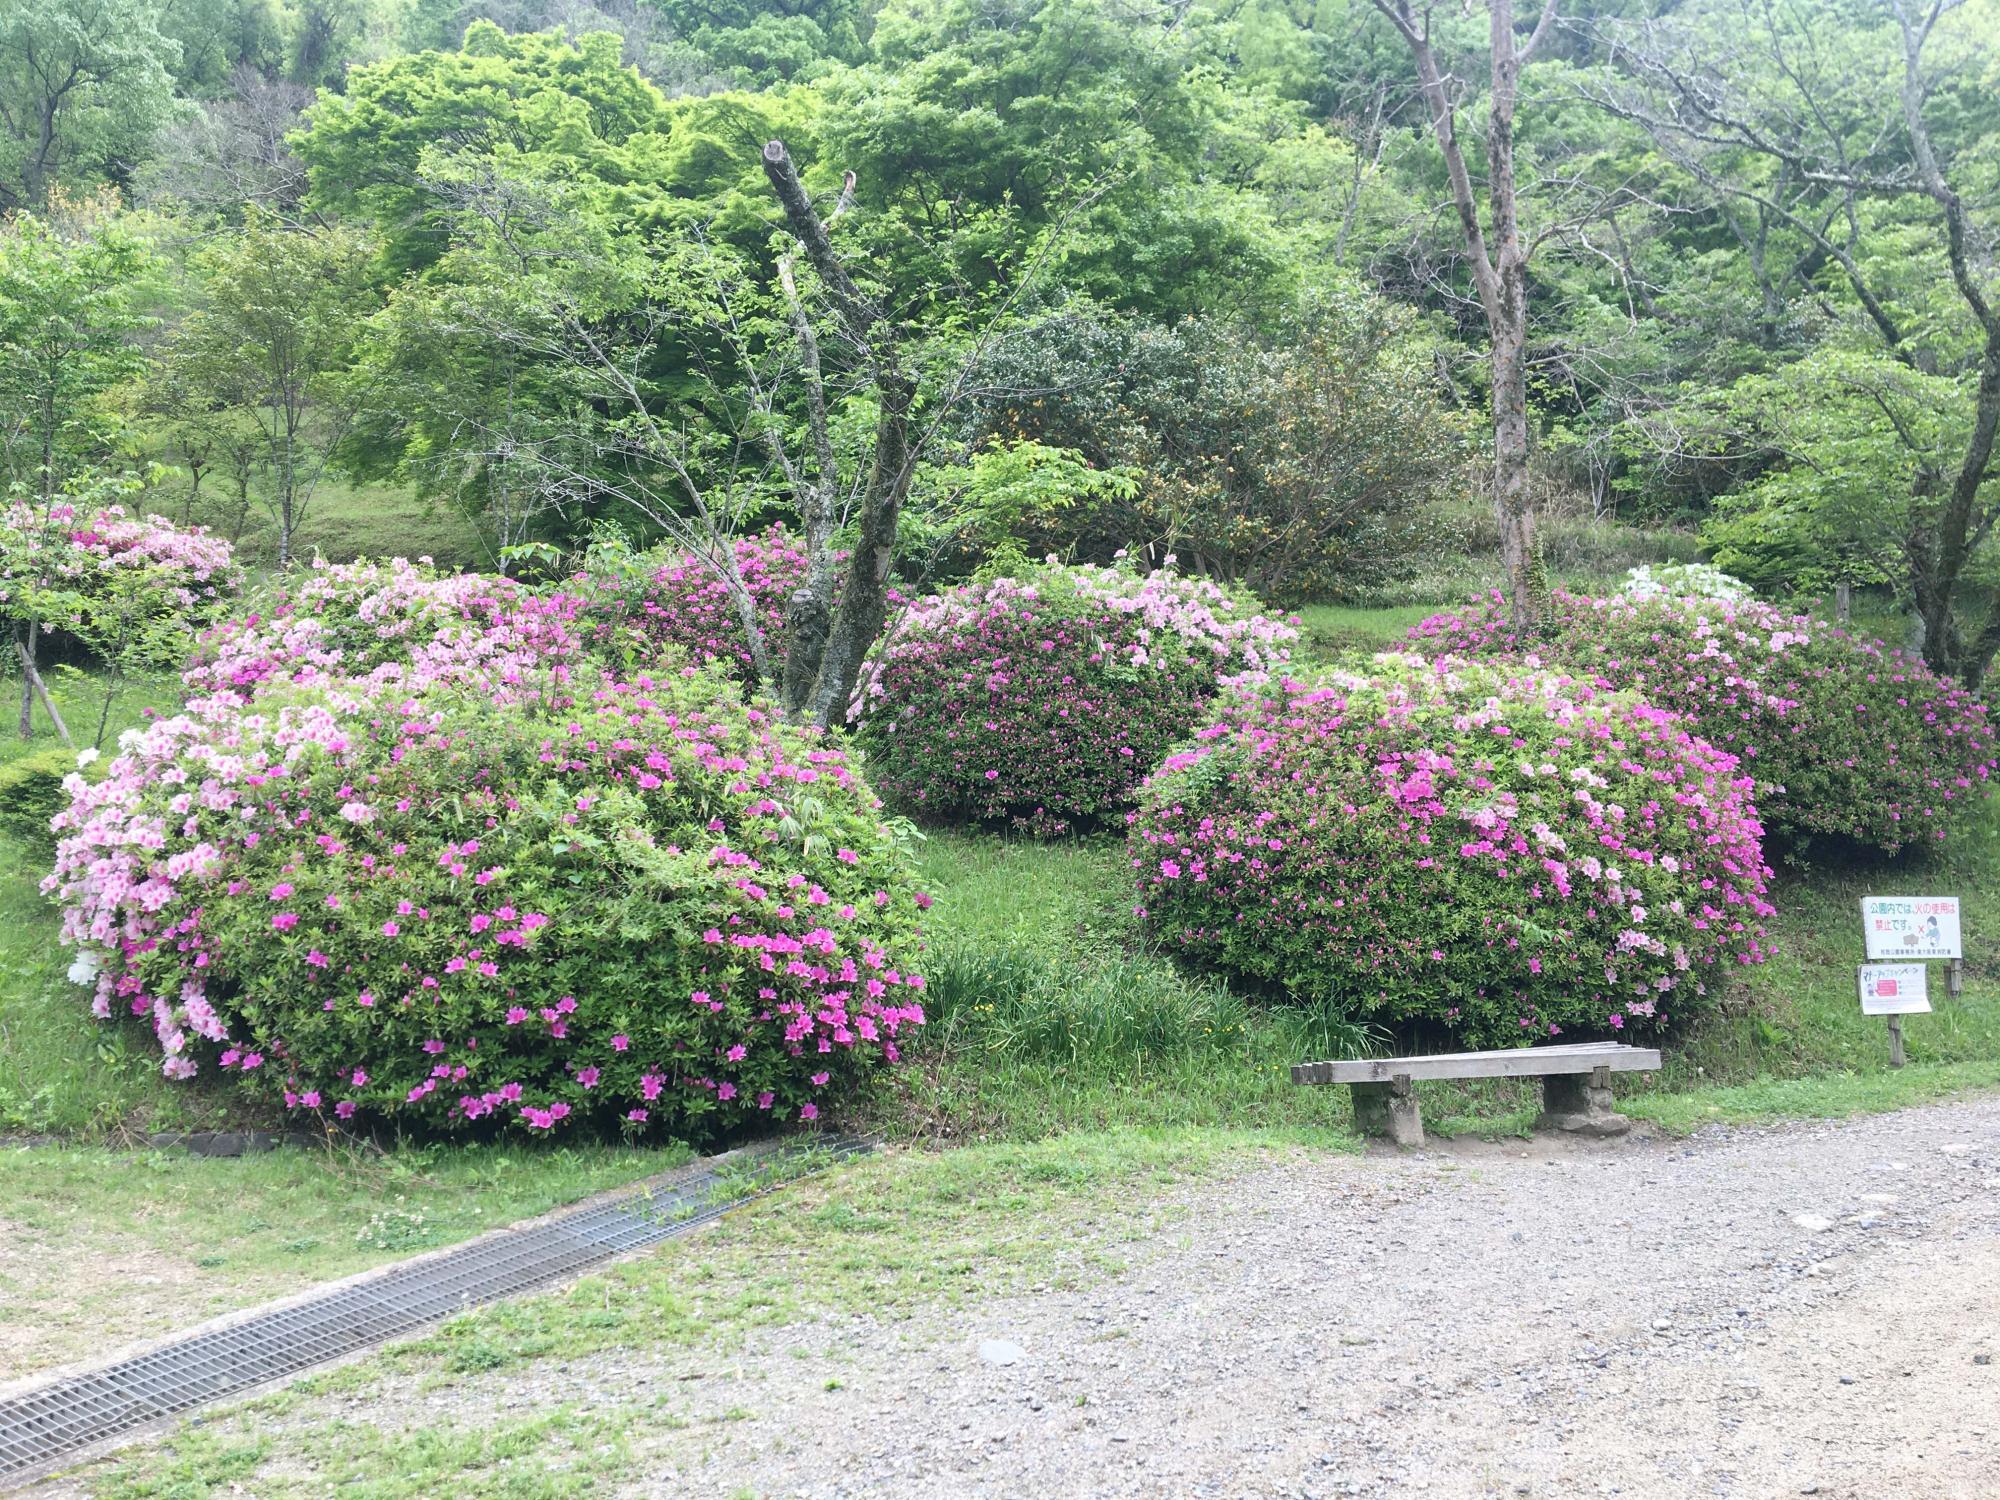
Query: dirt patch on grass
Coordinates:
[75,1296]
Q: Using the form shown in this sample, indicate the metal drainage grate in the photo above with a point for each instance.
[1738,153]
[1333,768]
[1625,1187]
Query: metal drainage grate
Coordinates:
[46,1425]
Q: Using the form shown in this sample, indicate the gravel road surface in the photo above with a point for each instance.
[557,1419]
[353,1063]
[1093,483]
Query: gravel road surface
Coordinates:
[1802,1310]
[1798,1310]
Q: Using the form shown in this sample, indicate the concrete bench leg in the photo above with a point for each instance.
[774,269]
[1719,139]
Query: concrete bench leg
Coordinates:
[1388,1109]
[1580,1103]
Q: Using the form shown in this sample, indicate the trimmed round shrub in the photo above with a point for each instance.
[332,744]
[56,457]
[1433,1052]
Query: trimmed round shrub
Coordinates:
[1846,737]
[1465,851]
[1043,699]
[391,623]
[682,608]
[642,904]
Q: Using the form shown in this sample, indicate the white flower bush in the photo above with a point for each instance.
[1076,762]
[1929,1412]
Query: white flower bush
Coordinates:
[1685,581]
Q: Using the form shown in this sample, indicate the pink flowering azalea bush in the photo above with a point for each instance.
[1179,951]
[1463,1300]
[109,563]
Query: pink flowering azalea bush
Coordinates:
[131,588]
[391,623]
[638,607]
[194,569]
[83,546]
[629,904]
[1043,699]
[1847,738]
[1475,853]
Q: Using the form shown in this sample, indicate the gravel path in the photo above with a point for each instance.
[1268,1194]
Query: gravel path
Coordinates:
[1808,1310]
[1800,1310]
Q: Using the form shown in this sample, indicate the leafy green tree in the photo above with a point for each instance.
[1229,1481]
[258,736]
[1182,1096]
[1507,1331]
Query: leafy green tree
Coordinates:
[987,509]
[69,323]
[218,37]
[69,320]
[1847,438]
[1000,126]
[764,42]
[83,86]
[325,37]
[1886,125]
[269,344]
[1303,460]
[574,111]
[456,412]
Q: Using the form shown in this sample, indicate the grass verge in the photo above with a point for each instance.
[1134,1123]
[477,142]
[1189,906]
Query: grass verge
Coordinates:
[889,1236]
[170,1239]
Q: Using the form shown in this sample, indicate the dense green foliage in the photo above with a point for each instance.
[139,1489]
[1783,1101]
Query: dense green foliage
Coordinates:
[1193,246]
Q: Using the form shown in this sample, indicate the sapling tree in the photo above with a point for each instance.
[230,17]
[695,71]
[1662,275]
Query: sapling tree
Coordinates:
[269,344]
[703,395]
[68,323]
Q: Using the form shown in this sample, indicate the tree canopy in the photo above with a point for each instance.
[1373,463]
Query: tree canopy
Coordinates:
[1287,290]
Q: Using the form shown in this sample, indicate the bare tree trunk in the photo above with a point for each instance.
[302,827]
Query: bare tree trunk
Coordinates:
[1960,527]
[830,639]
[285,478]
[24,647]
[1513,502]
[864,602]
[31,681]
[1367,155]
[1702,105]
[1499,269]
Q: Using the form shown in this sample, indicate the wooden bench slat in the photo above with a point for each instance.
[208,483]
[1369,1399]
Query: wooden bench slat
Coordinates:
[1507,1062]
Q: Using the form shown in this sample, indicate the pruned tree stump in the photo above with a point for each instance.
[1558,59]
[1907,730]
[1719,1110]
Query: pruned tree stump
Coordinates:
[1580,1104]
[1389,1109]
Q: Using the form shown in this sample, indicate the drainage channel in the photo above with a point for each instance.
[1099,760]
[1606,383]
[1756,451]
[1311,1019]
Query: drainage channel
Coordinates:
[44,1426]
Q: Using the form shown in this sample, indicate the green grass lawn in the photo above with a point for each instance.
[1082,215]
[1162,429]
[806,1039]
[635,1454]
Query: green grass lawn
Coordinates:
[1050,1013]
[345,520]
[1334,630]
[101,1246]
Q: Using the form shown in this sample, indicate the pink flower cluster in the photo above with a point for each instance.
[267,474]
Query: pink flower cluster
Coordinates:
[686,604]
[1044,699]
[1481,855]
[437,866]
[1847,738]
[191,566]
[393,624]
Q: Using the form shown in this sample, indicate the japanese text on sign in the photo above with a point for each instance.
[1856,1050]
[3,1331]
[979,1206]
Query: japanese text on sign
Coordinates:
[1911,927]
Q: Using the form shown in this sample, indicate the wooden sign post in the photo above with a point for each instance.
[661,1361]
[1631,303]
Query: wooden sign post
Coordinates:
[1895,991]
[1902,933]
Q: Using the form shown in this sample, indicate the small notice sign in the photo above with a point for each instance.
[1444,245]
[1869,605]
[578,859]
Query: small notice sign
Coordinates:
[1894,989]
[1911,927]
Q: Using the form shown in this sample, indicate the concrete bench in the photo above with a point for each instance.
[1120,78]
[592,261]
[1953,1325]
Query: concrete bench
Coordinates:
[1576,1084]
